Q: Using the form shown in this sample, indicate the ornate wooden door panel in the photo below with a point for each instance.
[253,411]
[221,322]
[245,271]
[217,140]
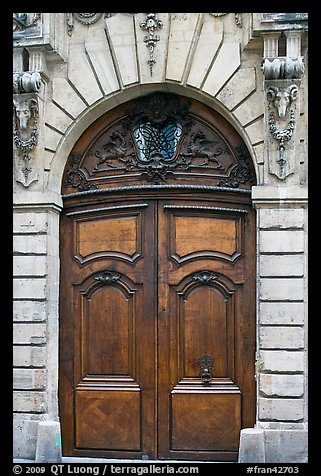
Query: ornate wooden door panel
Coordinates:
[203,314]
[108,300]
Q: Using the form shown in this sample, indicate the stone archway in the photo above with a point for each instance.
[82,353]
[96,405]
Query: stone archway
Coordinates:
[174,166]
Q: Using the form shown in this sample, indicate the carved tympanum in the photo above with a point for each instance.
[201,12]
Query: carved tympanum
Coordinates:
[159,138]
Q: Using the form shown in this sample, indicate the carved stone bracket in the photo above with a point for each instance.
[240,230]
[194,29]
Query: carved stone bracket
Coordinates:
[281,99]
[26,82]
[25,134]
[283,68]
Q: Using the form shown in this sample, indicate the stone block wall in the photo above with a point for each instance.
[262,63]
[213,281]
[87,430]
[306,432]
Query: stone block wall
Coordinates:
[86,70]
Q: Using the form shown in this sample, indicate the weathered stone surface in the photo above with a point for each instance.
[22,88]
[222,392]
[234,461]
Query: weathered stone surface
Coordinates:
[241,84]
[281,337]
[29,356]
[283,313]
[282,361]
[284,265]
[33,288]
[27,379]
[181,35]
[226,63]
[30,244]
[286,446]
[29,265]
[100,56]
[85,82]
[64,95]
[272,385]
[281,409]
[121,34]
[282,289]
[30,222]
[25,437]
[48,449]
[282,241]
[208,43]
[252,449]
[281,218]
[29,311]
[29,333]
[24,401]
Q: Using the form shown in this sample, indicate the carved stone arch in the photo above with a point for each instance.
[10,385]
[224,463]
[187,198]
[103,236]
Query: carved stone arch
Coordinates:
[157,166]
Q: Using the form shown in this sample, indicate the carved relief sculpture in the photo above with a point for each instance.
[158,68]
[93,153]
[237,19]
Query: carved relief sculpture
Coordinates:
[25,134]
[151,24]
[281,117]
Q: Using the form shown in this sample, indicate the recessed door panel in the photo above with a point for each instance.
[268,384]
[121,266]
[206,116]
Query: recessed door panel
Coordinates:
[203,324]
[213,424]
[108,420]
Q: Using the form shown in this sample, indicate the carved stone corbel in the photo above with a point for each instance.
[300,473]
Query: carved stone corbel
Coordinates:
[281,98]
[26,82]
[25,135]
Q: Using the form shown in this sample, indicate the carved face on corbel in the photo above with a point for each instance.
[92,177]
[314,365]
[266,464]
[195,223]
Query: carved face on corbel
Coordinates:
[25,111]
[281,98]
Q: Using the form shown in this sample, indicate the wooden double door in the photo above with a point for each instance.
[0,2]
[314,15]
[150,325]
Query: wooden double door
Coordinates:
[157,324]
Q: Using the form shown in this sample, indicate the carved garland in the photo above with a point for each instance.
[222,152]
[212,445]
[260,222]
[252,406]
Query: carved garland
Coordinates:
[282,136]
[151,24]
[25,144]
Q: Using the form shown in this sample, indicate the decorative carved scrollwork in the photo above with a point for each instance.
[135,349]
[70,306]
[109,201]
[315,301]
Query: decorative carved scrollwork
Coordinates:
[205,277]
[75,177]
[242,172]
[107,277]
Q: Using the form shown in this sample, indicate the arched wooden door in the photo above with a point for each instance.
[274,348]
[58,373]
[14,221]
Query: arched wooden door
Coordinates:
[157,306]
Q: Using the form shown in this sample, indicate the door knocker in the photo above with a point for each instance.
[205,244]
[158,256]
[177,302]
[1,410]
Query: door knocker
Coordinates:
[206,363]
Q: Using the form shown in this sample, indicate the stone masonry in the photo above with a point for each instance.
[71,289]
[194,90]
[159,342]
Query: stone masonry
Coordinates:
[71,68]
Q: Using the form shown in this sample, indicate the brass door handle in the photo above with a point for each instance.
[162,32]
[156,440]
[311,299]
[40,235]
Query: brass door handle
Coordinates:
[206,363]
